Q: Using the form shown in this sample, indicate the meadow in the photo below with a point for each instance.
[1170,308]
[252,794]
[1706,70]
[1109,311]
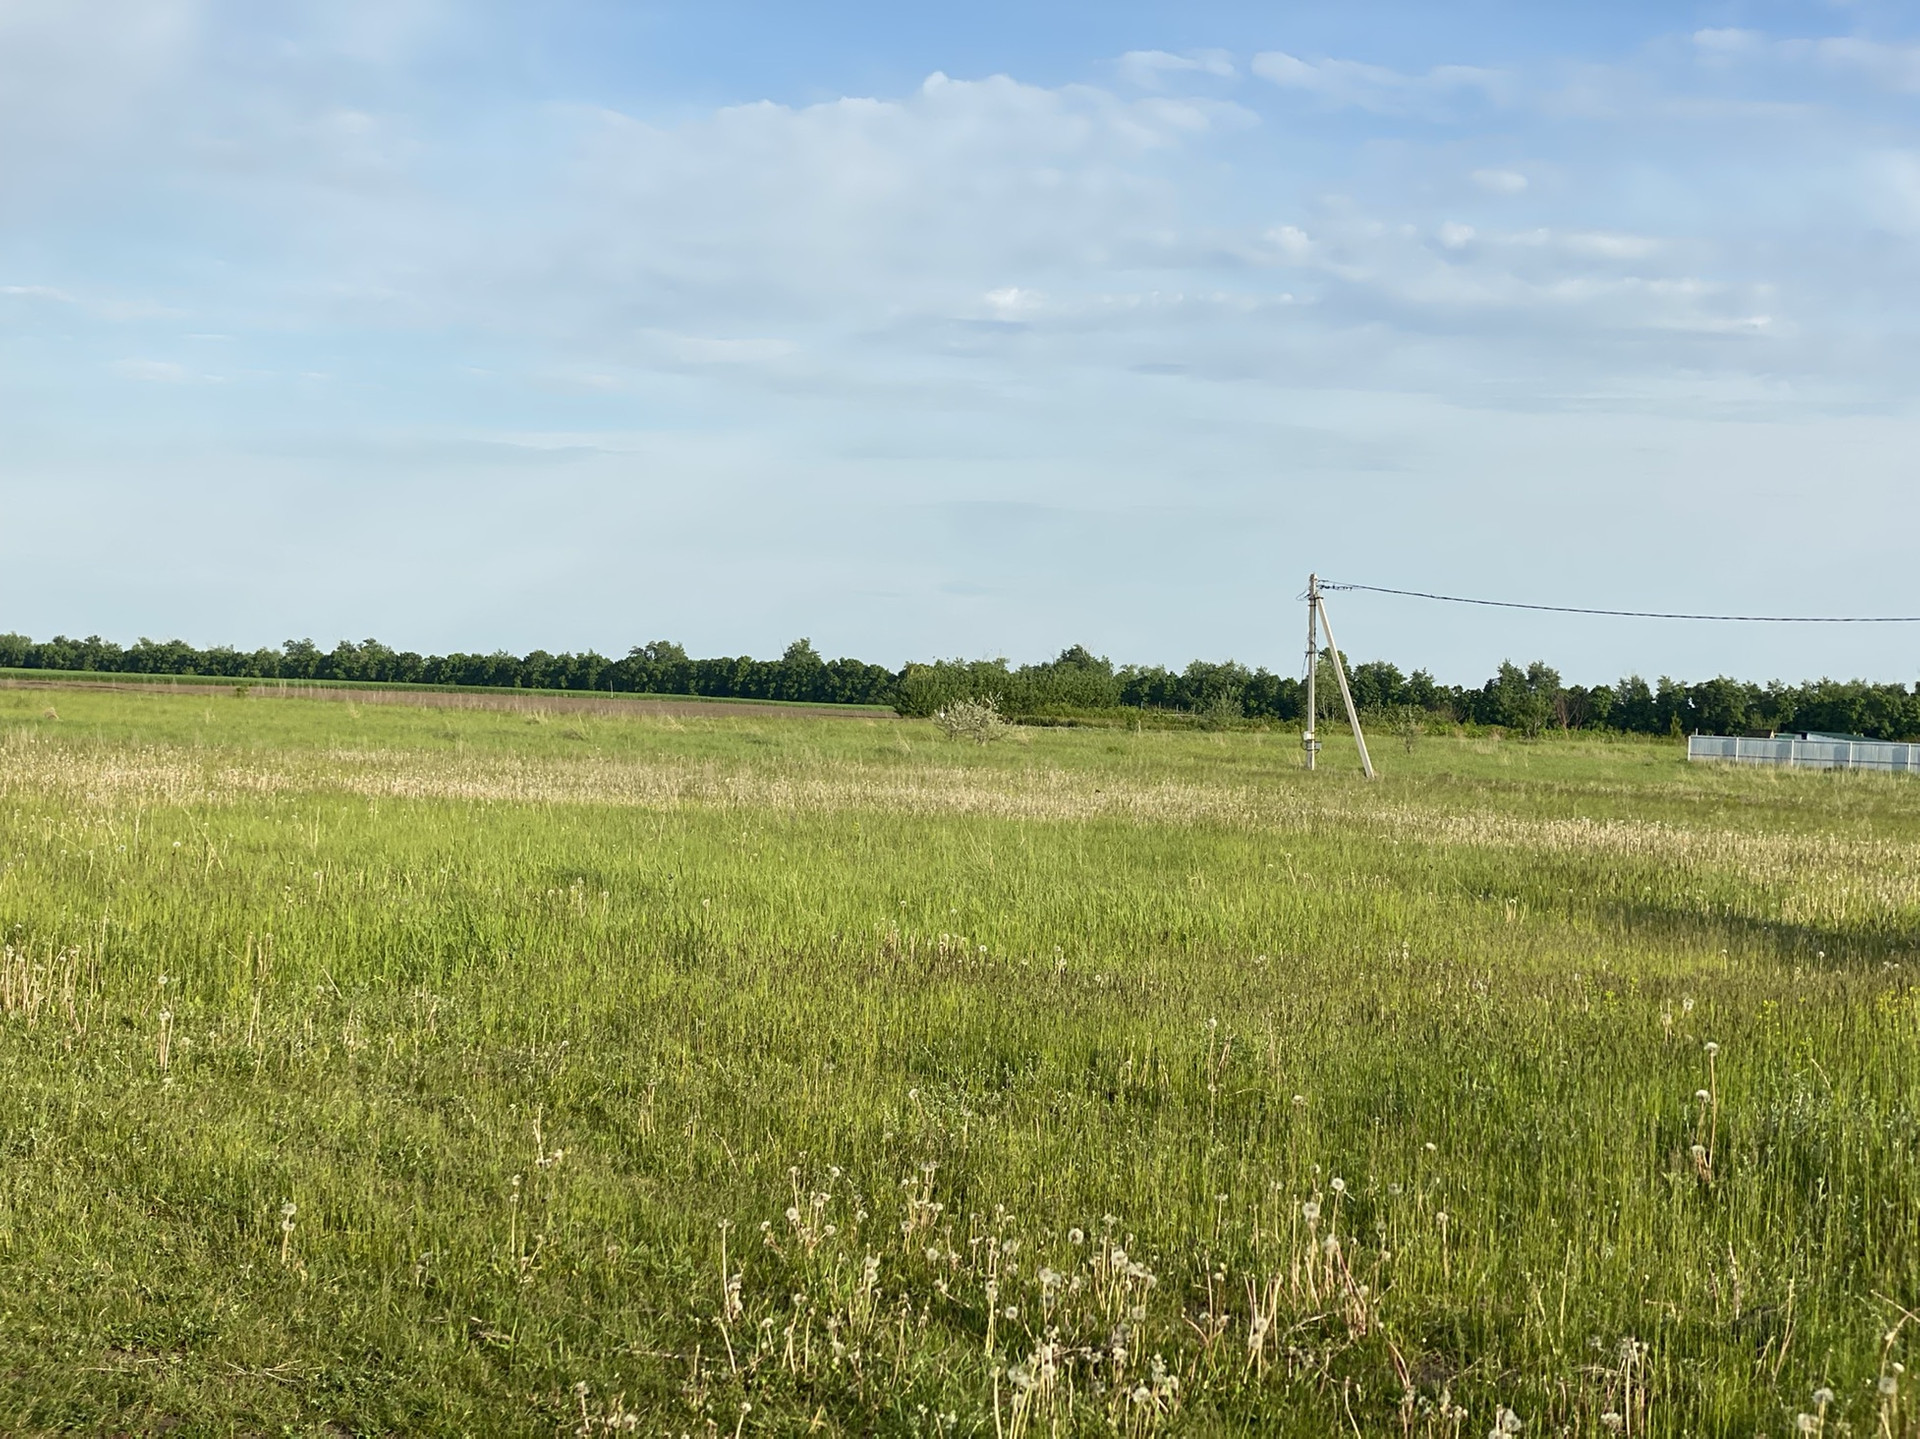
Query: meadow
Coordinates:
[389,1070]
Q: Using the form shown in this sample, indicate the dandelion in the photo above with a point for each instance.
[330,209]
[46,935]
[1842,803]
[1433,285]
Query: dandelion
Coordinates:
[1310,1211]
[1888,1386]
[1337,1185]
[1299,1101]
[1712,1048]
[1703,1096]
[1076,1236]
[1822,1397]
[1806,1423]
[1613,1421]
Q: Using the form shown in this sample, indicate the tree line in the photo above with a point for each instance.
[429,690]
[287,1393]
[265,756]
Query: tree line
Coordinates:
[1075,683]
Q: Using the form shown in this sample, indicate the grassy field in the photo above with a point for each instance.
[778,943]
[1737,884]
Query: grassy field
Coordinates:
[375,1070]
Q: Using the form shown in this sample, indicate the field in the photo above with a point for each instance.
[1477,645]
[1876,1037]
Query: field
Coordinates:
[386,1069]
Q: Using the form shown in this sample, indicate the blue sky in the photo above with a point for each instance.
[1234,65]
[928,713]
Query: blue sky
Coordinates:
[962,330]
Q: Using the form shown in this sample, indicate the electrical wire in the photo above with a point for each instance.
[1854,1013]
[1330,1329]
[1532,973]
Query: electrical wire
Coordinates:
[1637,614]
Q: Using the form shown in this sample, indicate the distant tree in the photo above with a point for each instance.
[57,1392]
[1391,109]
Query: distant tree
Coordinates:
[1525,700]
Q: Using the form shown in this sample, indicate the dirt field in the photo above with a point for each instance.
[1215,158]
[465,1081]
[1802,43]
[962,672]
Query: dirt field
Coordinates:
[679,707]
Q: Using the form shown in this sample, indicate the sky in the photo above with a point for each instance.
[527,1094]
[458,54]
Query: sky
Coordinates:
[965,330]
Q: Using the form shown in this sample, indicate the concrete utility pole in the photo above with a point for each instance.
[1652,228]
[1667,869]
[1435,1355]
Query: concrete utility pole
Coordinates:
[1317,620]
[1313,665]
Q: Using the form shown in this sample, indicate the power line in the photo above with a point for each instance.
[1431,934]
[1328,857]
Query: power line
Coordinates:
[1637,614]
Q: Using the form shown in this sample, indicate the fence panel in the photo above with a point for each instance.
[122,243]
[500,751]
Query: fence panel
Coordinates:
[1807,753]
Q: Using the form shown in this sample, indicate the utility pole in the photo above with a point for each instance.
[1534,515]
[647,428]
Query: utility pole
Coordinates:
[1311,744]
[1340,673]
[1317,620]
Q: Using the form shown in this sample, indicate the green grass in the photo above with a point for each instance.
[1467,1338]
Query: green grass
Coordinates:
[627,1073]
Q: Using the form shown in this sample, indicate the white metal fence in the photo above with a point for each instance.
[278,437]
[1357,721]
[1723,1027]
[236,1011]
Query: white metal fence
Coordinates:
[1807,753]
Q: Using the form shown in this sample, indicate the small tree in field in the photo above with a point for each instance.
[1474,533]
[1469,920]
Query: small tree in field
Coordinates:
[975,719]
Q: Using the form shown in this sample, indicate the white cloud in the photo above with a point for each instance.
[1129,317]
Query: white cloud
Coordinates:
[1150,69]
[1010,302]
[1889,65]
[152,372]
[1500,182]
[1610,245]
[854,211]
[1896,67]
[75,75]
[1727,41]
[712,350]
[1293,243]
[1377,88]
